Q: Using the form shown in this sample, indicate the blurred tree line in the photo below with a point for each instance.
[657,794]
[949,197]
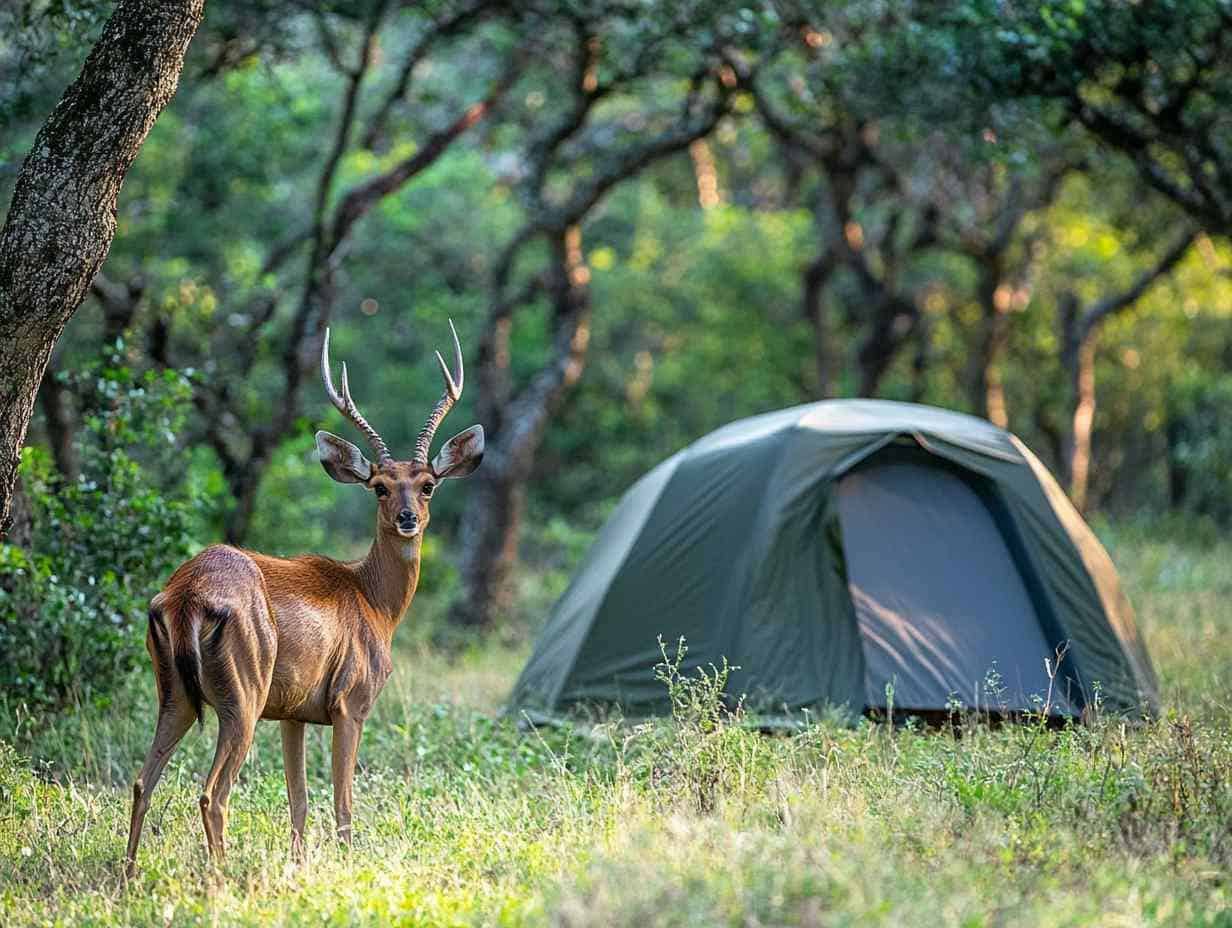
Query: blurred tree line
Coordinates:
[647,219]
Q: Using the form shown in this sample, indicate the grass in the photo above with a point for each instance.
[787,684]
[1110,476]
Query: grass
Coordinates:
[464,820]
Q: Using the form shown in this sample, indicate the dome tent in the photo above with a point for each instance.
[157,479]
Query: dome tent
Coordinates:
[830,549]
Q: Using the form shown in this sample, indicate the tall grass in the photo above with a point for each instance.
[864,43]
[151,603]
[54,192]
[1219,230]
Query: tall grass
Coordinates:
[464,819]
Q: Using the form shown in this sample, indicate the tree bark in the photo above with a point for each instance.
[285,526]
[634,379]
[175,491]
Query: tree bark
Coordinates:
[922,361]
[21,534]
[62,217]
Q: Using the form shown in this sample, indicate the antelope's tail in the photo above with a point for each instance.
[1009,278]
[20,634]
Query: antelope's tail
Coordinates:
[178,646]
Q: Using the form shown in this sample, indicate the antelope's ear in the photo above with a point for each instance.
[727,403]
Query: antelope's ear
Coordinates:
[342,460]
[460,455]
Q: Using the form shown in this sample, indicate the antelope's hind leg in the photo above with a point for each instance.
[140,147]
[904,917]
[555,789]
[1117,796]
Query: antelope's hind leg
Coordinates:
[237,666]
[235,730]
[175,717]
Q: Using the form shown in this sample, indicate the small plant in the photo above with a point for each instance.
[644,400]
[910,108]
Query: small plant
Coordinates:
[993,690]
[699,701]
[706,748]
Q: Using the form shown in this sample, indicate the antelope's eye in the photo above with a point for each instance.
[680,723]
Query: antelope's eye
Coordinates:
[428,488]
[381,491]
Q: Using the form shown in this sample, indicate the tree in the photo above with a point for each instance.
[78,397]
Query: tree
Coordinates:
[246,415]
[869,231]
[61,220]
[599,154]
[1150,80]
[1079,334]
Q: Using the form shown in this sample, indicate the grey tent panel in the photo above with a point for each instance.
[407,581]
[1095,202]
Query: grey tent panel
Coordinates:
[737,543]
[940,602]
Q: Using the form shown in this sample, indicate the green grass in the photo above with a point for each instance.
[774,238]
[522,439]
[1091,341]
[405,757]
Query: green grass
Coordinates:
[464,820]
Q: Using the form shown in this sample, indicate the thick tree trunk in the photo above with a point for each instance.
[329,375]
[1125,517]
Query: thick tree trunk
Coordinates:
[22,532]
[62,217]
[489,541]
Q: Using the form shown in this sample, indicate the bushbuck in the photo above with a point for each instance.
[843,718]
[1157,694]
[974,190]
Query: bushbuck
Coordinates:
[301,640]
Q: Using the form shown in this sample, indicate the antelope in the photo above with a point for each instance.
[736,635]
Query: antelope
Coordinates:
[304,640]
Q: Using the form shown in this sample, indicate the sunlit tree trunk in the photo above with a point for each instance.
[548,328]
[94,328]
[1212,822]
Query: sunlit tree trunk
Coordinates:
[707,175]
[1082,379]
[62,217]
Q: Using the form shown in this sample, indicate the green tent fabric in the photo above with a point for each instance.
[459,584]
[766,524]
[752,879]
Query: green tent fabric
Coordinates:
[832,549]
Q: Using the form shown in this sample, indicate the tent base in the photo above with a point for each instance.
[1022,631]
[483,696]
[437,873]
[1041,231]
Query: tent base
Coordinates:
[936,719]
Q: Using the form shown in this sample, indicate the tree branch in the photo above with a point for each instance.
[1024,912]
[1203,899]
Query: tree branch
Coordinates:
[360,199]
[1095,314]
[442,29]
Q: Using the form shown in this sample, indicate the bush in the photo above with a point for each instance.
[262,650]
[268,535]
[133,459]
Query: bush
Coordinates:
[73,604]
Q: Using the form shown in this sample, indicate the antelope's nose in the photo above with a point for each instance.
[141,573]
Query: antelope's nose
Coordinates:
[407,519]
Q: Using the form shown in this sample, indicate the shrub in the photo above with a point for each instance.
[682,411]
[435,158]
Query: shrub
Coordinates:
[72,604]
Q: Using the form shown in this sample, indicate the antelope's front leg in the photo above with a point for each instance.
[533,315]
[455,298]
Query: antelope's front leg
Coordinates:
[297,782]
[346,745]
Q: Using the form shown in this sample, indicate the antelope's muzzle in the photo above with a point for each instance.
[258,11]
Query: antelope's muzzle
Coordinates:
[408,522]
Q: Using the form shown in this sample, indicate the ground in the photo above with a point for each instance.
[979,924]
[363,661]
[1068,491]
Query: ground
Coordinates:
[462,819]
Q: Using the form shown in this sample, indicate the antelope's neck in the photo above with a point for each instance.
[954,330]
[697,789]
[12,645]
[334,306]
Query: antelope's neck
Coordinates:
[389,575]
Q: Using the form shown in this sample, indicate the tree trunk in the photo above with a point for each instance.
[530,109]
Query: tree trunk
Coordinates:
[58,416]
[1079,329]
[492,521]
[983,375]
[1082,383]
[62,217]
[813,307]
[893,323]
[238,521]
[709,195]
[922,362]
[1178,471]
[22,532]
[489,542]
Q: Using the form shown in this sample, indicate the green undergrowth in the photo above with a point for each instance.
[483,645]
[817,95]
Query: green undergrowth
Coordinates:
[466,819]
